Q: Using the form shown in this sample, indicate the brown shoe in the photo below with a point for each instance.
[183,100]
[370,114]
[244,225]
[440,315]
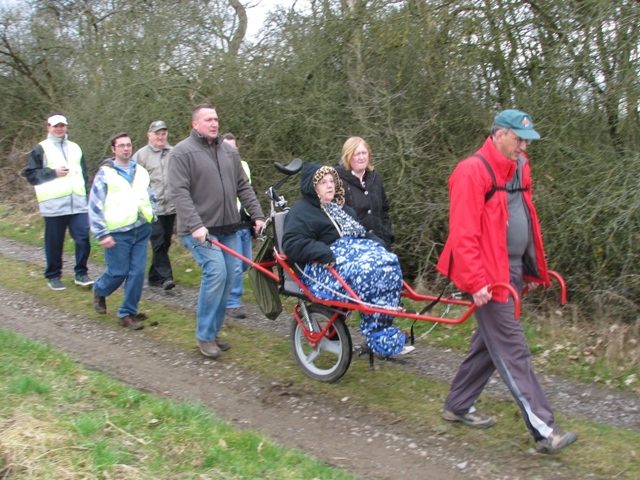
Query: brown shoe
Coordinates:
[131,323]
[236,312]
[209,349]
[99,303]
[556,441]
[473,419]
[141,317]
[223,345]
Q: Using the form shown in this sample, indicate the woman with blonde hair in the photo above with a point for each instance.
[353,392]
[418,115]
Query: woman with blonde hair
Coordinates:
[364,191]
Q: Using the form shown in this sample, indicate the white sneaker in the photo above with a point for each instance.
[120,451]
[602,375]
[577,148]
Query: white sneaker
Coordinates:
[407,349]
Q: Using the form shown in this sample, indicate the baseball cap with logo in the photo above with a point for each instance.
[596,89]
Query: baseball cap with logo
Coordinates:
[57,119]
[157,125]
[520,122]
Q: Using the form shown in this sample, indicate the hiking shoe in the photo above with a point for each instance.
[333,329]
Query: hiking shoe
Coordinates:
[223,345]
[236,312]
[472,419]
[556,441]
[99,303]
[83,280]
[131,323]
[168,284]
[56,284]
[141,317]
[209,349]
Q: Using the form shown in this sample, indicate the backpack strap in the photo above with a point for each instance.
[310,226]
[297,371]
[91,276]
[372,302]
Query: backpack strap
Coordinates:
[495,187]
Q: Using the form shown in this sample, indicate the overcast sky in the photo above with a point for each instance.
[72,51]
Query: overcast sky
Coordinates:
[257,14]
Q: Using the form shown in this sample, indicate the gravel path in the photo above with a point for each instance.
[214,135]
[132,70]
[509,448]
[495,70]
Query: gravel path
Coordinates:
[369,446]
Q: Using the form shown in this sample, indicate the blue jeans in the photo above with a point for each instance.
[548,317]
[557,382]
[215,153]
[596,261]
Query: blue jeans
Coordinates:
[126,263]
[244,248]
[217,278]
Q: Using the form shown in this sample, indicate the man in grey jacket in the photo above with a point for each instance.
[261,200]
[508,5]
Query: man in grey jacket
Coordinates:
[205,178]
[154,157]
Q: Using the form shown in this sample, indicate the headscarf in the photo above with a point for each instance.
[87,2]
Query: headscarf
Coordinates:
[338,196]
[345,223]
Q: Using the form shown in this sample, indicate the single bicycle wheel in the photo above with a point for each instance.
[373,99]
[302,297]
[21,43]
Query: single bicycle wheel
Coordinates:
[331,358]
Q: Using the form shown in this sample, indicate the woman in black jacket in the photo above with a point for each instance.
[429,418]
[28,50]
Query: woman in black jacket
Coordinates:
[364,191]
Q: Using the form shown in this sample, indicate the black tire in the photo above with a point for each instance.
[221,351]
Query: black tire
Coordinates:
[331,358]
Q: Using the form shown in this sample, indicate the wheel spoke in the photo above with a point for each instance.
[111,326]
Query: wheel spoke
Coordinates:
[313,354]
[330,346]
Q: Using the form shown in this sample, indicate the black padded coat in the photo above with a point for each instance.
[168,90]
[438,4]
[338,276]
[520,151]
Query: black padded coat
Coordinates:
[308,231]
[370,203]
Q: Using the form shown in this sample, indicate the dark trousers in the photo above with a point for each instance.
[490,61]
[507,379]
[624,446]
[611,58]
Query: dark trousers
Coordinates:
[499,343]
[54,232]
[161,232]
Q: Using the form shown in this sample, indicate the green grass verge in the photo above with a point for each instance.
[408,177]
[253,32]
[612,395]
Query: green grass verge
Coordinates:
[61,421]
[390,392]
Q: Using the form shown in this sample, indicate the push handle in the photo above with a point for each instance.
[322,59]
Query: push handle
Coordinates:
[563,286]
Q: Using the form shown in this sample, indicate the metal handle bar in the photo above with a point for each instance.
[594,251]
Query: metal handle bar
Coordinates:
[560,280]
[260,268]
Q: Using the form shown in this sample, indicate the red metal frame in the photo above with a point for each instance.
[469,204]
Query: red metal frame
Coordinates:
[263,267]
[315,337]
[340,308]
[560,280]
[407,292]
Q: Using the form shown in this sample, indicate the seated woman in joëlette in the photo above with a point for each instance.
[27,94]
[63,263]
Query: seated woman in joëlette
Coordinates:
[319,231]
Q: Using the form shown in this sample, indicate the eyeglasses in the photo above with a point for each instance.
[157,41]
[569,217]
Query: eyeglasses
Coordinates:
[124,145]
[327,182]
[520,140]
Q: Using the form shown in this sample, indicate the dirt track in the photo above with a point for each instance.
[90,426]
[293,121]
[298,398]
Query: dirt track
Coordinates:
[339,433]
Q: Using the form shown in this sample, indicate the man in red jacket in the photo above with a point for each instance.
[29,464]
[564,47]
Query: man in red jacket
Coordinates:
[494,236]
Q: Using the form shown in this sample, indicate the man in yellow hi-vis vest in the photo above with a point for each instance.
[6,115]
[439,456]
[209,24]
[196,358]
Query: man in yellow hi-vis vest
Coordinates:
[122,207]
[57,170]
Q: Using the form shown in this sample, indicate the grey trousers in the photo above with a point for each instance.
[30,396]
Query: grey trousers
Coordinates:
[499,343]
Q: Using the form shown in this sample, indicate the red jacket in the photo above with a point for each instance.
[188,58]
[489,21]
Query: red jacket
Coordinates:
[475,254]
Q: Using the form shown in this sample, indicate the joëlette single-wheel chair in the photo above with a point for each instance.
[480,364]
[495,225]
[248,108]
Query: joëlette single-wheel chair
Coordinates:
[320,339]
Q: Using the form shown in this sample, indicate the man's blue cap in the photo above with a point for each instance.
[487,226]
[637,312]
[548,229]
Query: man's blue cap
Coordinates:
[520,122]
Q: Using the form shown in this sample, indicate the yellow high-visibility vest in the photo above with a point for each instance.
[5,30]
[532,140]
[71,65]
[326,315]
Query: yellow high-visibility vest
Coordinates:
[245,167]
[72,183]
[125,200]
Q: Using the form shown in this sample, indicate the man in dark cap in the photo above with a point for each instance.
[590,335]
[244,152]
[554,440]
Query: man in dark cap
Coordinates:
[154,157]
[494,236]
